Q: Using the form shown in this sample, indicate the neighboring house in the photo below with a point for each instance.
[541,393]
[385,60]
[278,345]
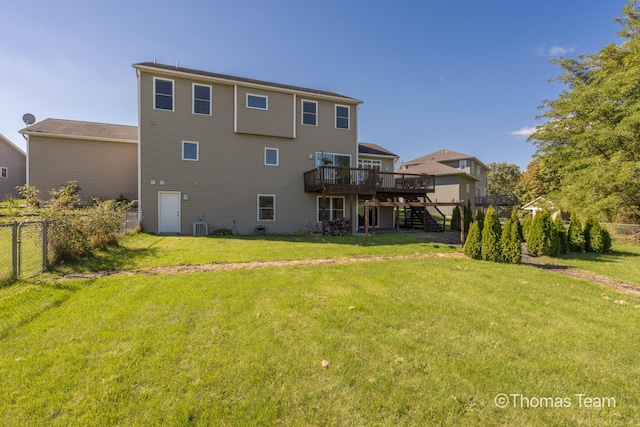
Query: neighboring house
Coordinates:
[219,151]
[458,177]
[540,203]
[13,163]
[103,158]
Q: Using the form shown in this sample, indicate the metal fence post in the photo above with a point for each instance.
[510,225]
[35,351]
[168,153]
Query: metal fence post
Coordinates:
[14,248]
[44,245]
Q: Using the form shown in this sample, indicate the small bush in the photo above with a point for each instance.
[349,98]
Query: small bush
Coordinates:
[480,220]
[543,235]
[563,241]
[511,242]
[30,194]
[599,239]
[526,227]
[575,235]
[456,220]
[468,216]
[473,244]
[491,250]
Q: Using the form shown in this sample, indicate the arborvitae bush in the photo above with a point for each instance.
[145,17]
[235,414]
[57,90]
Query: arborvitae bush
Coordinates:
[586,232]
[515,220]
[491,250]
[456,220]
[575,236]
[563,241]
[599,238]
[473,244]
[468,216]
[480,220]
[543,235]
[511,242]
[526,227]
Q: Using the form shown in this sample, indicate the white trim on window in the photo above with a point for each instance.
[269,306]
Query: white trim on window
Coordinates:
[267,209]
[309,115]
[256,97]
[340,119]
[266,159]
[202,100]
[164,96]
[190,159]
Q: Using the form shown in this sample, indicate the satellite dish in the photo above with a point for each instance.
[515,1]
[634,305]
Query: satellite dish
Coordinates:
[29,119]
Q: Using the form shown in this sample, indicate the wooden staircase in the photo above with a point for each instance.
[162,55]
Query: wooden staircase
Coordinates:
[414,218]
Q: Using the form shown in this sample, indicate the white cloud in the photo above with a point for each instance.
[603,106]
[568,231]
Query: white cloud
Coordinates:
[543,50]
[525,131]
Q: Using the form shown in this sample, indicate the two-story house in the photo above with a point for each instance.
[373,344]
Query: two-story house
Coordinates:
[12,168]
[458,176]
[218,151]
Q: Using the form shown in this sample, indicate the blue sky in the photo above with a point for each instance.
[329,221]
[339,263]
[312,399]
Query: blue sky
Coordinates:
[465,75]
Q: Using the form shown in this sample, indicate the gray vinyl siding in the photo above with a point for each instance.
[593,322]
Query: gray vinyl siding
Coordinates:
[102,169]
[16,170]
[222,186]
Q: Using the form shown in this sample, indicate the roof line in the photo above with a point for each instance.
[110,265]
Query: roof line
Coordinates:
[243,81]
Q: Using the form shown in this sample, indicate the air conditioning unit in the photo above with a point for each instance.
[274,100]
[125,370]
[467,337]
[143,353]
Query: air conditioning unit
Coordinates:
[200,229]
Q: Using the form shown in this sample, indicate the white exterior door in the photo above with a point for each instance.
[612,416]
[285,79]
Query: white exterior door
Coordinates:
[169,212]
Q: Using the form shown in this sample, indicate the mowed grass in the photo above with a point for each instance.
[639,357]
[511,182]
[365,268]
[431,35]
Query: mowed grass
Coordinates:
[145,250]
[409,342]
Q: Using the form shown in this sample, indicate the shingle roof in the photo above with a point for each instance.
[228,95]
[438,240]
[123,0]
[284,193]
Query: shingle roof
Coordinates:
[78,129]
[442,156]
[229,78]
[367,148]
[433,167]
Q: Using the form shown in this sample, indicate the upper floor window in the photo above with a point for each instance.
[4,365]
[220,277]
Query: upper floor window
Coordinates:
[271,156]
[3,172]
[163,94]
[201,99]
[190,150]
[463,164]
[370,164]
[257,101]
[266,207]
[309,113]
[342,117]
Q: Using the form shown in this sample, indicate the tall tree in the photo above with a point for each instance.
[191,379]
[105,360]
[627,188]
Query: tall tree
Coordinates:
[591,139]
[502,179]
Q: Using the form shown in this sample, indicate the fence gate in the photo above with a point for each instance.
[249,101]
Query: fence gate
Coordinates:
[32,249]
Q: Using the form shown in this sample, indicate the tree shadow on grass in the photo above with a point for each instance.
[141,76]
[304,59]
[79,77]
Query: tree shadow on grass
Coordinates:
[113,258]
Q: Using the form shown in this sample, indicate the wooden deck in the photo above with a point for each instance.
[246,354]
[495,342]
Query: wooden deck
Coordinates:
[342,180]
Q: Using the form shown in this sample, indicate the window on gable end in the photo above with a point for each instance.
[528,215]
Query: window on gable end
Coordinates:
[309,113]
[163,94]
[342,117]
[201,99]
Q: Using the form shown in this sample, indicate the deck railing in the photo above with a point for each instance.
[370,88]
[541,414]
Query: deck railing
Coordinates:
[343,180]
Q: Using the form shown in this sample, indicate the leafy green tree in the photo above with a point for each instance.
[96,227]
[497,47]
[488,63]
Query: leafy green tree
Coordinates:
[473,244]
[591,140]
[576,237]
[543,235]
[502,179]
[491,232]
[456,220]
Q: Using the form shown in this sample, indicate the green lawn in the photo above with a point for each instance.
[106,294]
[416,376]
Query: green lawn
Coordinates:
[409,342]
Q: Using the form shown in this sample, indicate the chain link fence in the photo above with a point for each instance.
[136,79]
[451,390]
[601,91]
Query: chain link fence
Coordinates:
[23,246]
[626,232]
